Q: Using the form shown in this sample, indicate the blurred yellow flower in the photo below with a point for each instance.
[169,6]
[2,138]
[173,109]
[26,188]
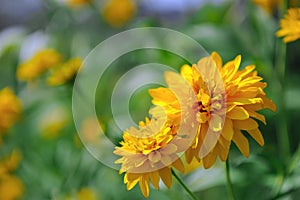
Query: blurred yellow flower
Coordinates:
[118,12]
[237,105]
[86,194]
[10,109]
[11,187]
[52,123]
[77,3]
[65,72]
[38,64]
[148,153]
[290,26]
[10,163]
[270,6]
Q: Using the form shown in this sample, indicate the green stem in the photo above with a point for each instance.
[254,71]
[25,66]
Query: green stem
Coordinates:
[192,195]
[282,127]
[229,183]
[285,193]
[282,123]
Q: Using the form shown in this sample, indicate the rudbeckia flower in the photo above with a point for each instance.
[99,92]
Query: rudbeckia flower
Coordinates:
[10,109]
[118,12]
[64,72]
[149,152]
[228,101]
[270,6]
[38,64]
[290,26]
[11,187]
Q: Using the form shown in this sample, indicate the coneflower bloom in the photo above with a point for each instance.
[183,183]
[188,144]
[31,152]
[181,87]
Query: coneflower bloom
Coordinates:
[149,152]
[228,101]
[64,72]
[38,64]
[290,26]
[10,110]
[118,12]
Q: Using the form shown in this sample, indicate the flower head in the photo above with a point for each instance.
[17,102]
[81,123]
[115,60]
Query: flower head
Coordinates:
[38,64]
[270,6]
[77,3]
[11,187]
[86,194]
[290,26]
[64,72]
[118,12]
[148,153]
[10,109]
[228,101]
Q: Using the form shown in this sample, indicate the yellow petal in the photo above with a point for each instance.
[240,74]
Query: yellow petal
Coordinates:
[257,136]
[268,103]
[247,124]
[238,113]
[258,116]
[209,159]
[227,132]
[166,176]
[217,59]
[144,186]
[241,142]
[154,177]
[178,165]
[131,184]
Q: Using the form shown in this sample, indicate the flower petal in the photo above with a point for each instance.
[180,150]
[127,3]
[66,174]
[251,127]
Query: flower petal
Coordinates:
[247,124]
[241,142]
[238,113]
[257,136]
[166,176]
[144,186]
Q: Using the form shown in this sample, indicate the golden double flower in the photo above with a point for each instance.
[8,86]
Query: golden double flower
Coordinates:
[221,106]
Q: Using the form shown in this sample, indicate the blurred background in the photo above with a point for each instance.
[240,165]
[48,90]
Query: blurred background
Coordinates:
[41,155]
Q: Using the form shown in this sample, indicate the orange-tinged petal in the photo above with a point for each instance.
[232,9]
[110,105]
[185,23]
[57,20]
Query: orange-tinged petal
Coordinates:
[166,176]
[144,186]
[154,177]
[227,132]
[258,116]
[268,103]
[238,113]
[178,164]
[257,136]
[241,142]
[217,59]
[247,124]
[209,160]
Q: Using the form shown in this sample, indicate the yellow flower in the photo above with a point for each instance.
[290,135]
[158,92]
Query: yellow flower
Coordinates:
[53,122]
[11,187]
[65,72]
[10,163]
[38,64]
[270,6]
[86,194]
[118,12]
[77,3]
[148,153]
[10,109]
[290,26]
[226,107]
